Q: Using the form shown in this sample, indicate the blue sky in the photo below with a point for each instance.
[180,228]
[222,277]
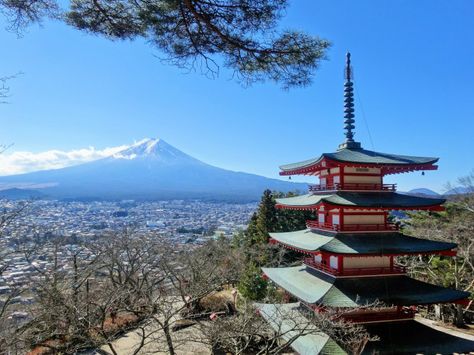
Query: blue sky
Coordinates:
[414,75]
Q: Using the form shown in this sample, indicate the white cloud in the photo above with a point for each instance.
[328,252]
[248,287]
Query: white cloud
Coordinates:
[24,162]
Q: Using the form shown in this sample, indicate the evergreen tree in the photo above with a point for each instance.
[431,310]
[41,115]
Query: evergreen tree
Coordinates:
[252,285]
[252,229]
[192,33]
[266,217]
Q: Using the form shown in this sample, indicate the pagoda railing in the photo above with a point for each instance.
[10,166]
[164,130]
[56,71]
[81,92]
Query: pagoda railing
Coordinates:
[367,316]
[383,227]
[374,317]
[368,271]
[353,186]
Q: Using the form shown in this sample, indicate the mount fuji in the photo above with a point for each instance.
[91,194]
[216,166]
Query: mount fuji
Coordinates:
[148,170]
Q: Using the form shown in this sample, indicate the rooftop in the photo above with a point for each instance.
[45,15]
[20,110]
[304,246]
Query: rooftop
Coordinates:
[285,319]
[361,157]
[375,243]
[395,337]
[314,287]
[386,200]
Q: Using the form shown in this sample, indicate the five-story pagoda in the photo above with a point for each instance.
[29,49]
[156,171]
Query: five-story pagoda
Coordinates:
[351,248]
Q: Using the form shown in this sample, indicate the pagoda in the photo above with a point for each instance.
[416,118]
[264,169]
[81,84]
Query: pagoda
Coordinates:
[351,246]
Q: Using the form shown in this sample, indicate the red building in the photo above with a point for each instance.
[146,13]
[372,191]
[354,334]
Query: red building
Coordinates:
[351,247]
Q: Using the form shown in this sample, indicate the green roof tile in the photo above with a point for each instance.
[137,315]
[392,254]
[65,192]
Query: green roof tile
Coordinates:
[402,337]
[412,337]
[315,287]
[362,156]
[283,318]
[373,243]
[361,199]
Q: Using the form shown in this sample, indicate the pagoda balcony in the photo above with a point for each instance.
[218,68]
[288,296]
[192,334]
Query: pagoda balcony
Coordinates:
[354,272]
[369,316]
[353,187]
[376,317]
[385,227]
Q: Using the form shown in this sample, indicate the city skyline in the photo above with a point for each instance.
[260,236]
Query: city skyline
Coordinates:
[81,91]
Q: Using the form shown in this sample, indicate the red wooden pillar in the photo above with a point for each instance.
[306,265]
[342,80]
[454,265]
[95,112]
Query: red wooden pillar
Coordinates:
[341,176]
[341,219]
[340,263]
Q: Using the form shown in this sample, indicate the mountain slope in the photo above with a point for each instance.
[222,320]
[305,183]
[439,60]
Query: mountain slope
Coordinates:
[151,169]
[422,191]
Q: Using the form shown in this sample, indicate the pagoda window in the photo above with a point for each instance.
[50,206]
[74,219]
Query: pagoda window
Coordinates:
[322,217]
[318,258]
[335,219]
[322,182]
[334,262]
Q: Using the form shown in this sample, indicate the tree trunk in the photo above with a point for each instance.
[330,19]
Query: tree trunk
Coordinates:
[459,318]
[169,340]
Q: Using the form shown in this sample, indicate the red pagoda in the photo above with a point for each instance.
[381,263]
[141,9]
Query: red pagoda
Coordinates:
[351,249]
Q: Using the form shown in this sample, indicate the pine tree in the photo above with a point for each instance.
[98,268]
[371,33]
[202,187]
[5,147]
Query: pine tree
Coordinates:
[266,218]
[252,285]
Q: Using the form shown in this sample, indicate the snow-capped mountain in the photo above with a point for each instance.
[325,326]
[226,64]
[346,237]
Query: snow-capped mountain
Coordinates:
[153,148]
[147,170]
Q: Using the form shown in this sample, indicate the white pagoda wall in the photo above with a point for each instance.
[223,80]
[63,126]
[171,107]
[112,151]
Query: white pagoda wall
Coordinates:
[364,262]
[362,170]
[362,179]
[364,219]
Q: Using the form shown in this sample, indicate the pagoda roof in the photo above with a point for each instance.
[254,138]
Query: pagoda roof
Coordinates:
[287,320]
[373,243]
[401,337]
[413,337]
[359,157]
[314,287]
[387,200]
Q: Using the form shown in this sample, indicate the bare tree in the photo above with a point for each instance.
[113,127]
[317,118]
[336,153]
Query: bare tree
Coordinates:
[8,325]
[455,225]
[464,193]
[247,332]
[89,294]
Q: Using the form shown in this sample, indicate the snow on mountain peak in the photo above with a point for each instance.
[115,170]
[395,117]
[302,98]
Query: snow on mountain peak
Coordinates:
[155,148]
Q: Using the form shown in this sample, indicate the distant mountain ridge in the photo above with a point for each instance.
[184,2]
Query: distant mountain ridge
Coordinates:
[149,170]
[20,194]
[423,192]
[460,190]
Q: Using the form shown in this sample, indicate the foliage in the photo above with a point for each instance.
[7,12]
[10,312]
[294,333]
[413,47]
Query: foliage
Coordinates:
[252,285]
[114,283]
[270,219]
[191,33]
[454,225]
[247,333]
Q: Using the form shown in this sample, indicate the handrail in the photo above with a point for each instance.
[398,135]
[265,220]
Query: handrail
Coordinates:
[353,186]
[378,317]
[395,269]
[352,227]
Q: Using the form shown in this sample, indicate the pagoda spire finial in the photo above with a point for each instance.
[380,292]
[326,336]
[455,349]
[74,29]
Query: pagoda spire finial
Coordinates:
[349,107]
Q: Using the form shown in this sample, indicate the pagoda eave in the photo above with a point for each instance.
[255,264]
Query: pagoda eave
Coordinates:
[386,169]
[314,287]
[450,252]
[434,208]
